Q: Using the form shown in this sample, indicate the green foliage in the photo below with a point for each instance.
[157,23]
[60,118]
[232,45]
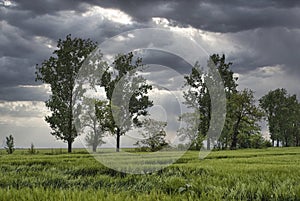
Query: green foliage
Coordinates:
[282,111]
[60,71]
[10,144]
[255,141]
[243,114]
[154,134]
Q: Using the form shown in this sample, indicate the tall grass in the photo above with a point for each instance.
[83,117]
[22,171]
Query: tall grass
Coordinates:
[266,174]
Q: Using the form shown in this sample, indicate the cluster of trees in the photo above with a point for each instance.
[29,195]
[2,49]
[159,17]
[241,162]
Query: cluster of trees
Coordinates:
[241,128]
[283,114]
[60,73]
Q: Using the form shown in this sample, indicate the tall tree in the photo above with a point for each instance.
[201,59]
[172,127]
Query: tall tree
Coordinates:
[124,85]
[198,96]
[244,114]
[60,71]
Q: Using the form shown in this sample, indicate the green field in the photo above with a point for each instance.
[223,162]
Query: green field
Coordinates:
[265,174]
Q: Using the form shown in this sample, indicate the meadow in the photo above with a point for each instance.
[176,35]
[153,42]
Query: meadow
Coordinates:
[250,174]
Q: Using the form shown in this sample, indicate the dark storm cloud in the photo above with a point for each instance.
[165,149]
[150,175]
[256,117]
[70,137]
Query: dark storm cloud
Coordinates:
[29,31]
[49,7]
[266,31]
[219,16]
[267,47]
[166,59]
[23,93]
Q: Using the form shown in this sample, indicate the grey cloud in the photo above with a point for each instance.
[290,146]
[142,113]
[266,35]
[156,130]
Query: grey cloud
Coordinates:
[166,59]
[22,109]
[30,36]
[266,47]
[217,16]
[16,71]
[42,7]
[23,93]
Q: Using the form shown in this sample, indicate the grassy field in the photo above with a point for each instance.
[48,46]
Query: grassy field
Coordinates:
[266,174]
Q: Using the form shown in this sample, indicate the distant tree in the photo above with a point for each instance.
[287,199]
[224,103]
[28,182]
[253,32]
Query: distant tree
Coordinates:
[282,112]
[128,87]
[154,134]
[244,115]
[270,103]
[289,120]
[10,144]
[296,125]
[60,72]
[91,124]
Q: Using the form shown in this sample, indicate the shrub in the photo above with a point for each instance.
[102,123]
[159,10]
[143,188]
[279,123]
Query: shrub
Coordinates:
[32,150]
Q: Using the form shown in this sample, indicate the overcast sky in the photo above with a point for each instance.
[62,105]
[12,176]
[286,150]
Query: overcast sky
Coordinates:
[261,38]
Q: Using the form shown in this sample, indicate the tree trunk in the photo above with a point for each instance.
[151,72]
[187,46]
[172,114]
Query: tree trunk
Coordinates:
[226,143]
[277,143]
[94,148]
[235,134]
[70,141]
[234,141]
[118,140]
[273,142]
[208,143]
[70,146]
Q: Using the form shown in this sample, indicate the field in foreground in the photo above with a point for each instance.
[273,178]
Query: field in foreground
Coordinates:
[266,174]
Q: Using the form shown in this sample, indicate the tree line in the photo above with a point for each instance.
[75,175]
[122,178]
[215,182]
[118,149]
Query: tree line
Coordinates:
[241,129]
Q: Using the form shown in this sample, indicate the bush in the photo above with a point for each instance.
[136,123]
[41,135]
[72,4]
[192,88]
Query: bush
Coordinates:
[244,141]
[267,143]
[253,141]
[32,150]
